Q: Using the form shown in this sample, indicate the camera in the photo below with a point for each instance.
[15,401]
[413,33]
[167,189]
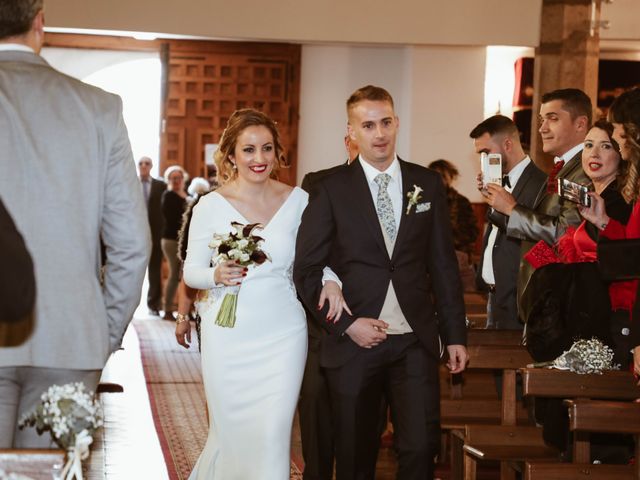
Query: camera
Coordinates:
[491,168]
[574,192]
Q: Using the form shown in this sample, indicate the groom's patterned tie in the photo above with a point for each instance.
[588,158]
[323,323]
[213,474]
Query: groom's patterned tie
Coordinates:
[384,207]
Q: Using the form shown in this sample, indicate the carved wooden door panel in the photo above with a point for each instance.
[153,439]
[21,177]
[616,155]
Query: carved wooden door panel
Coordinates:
[203,88]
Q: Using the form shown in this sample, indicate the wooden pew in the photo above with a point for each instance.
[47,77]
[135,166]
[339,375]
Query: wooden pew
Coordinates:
[35,464]
[541,382]
[545,382]
[481,337]
[476,309]
[611,385]
[587,416]
[502,352]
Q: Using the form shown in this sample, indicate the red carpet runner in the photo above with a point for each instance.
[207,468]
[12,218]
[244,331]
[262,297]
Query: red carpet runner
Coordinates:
[177,399]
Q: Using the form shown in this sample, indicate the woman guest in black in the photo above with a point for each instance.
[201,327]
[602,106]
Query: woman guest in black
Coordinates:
[174,201]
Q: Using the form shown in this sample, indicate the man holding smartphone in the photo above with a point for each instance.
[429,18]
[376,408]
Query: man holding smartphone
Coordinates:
[500,261]
[565,117]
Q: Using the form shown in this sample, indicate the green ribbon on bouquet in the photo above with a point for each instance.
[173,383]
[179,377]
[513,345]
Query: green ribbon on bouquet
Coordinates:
[227,314]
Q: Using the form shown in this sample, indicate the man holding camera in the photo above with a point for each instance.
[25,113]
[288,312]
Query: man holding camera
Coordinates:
[500,261]
[565,117]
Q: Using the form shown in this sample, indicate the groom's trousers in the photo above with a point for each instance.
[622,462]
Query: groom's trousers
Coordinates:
[20,391]
[403,370]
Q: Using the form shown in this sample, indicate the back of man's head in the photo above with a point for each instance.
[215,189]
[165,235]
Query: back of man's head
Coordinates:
[574,101]
[16,16]
[369,92]
[496,125]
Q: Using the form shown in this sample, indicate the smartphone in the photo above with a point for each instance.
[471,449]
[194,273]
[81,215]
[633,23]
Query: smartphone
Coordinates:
[574,192]
[491,168]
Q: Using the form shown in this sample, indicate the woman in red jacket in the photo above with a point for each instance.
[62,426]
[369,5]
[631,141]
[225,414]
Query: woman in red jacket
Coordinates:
[560,311]
[625,116]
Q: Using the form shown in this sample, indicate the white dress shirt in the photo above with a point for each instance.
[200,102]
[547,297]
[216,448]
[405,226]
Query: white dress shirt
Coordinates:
[569,154]
[394,188]
[15,47]
[487,263]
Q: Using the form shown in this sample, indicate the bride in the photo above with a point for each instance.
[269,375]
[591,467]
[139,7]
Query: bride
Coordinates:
[253,371]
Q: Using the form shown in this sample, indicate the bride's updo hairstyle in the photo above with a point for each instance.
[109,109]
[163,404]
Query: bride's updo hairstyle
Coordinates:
[238,122]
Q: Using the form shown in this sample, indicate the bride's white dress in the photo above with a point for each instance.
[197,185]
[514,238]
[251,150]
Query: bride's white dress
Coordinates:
[253,371]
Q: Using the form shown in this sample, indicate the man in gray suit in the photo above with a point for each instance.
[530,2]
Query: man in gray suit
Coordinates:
[500,262]
[565,117]
[69,180]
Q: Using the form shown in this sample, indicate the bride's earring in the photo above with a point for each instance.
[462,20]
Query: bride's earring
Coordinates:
[234,166]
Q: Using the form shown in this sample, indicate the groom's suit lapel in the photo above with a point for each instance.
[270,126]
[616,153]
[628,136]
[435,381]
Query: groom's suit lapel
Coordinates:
[405,219]
[367,207]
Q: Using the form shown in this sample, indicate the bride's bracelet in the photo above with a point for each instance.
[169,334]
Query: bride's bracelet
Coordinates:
[180,318]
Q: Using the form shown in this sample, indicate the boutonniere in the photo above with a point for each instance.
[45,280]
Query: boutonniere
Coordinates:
[414,197]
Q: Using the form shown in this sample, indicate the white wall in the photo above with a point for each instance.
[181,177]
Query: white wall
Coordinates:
[411,22]
[438,94]
[623,16]
[447,102]
[329,75]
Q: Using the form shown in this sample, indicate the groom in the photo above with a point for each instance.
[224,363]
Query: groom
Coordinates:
[392,247]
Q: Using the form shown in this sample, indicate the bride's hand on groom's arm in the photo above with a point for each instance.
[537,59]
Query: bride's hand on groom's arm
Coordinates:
[367,332]
[332,293]
[229,273]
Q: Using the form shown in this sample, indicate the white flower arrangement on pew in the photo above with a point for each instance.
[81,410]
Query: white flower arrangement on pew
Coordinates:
[584,356]
[72,415]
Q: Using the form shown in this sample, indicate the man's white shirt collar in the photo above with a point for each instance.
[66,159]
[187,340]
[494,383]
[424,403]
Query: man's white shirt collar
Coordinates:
[394,189]
[6,47]
[516,172]
[570,154]
[392,170]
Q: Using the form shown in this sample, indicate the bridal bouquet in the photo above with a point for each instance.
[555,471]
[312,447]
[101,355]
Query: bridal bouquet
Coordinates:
[72,415]
[584,356]
[243,247]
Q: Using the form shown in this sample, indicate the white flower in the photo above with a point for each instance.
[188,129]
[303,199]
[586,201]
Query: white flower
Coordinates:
[66,411]
[584,356]
[242,244]
[414,197]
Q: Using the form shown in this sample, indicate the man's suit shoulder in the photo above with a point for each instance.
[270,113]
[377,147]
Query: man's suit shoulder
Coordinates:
[576,172]
[157,183]
[311,178]
[104,104]
[420,173]
[533,172]
[39,75]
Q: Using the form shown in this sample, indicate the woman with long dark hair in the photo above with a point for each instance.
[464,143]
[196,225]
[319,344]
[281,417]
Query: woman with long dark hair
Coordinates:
[624,114]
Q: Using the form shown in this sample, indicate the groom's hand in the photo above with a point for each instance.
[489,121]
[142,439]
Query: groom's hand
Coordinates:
[458,358]
[367,332]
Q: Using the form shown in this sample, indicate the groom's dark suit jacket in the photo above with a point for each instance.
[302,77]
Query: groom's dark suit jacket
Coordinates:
[340,228]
